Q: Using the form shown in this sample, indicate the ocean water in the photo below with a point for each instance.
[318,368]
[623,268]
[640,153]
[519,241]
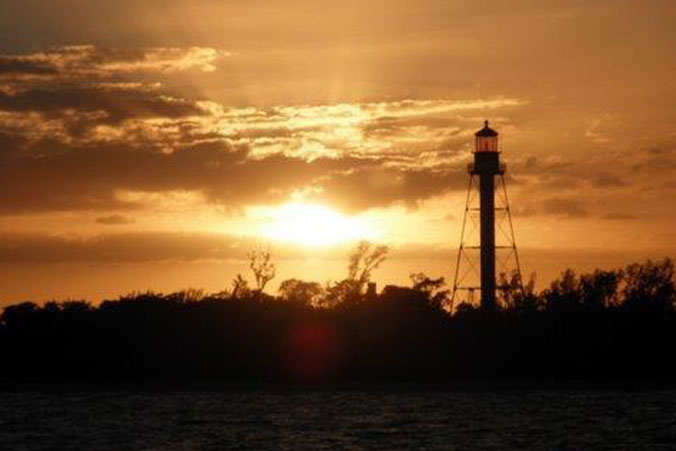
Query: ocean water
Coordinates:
[340,420]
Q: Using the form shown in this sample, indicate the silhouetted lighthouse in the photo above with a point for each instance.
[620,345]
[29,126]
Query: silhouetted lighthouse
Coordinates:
[487,166]
[488,169]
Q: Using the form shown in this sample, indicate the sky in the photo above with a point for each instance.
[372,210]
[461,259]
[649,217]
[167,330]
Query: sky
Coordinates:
[150,145]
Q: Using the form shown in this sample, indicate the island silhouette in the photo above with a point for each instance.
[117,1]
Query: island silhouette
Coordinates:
[607,325]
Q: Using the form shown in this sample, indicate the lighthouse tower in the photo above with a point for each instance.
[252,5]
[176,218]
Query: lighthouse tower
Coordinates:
[486,169]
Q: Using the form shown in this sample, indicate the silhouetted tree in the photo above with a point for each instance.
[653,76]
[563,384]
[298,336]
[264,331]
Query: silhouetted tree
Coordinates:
[260,263]
[240,288]
[517,297]
[564,293]
[600,289]
[343,292]
[76,307]
[186,296]
[363,261]
[306,293]
[650,286]
[14,317]
[464,308]
[510,288]
[433,289]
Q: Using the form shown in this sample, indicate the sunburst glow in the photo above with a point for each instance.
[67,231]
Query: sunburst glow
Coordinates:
[315,225]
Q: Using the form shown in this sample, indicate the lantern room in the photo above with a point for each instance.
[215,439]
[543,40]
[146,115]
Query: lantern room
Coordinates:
[486,139]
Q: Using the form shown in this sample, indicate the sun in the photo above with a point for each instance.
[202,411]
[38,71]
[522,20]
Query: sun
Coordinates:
[315,225]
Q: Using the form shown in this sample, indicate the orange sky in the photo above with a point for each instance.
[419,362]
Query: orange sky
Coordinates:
[150,144]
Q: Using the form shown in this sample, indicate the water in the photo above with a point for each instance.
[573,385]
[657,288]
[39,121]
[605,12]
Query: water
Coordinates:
[349,420]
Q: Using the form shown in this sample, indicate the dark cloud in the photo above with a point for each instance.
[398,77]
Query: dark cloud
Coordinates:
[564,207]
[124,247]
[115,219]
[62,82]
[555,182]
[561,206]
[607,180]
[14,66]
[383,186]
[531,163]
[619,216]
[116,102]
[87,61]
[10,143]
[89,177]
[150,246]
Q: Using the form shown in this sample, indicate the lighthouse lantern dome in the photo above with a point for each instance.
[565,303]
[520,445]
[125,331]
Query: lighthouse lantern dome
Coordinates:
[486,139]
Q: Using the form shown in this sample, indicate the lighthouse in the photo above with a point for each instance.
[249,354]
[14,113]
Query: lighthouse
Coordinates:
[486,167]
[486,173]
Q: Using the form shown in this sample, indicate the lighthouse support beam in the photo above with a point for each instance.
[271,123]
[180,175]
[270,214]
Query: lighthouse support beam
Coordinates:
[487,166]
[487,199]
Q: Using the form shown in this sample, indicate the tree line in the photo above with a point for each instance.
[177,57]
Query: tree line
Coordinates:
[603,325]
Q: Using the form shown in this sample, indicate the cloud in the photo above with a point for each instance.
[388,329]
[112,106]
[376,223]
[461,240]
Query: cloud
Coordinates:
[569,207]
[81,124]
[607,180]
[619,216]
[383,186]
[122,247]
[148,246]
[115,219]
[73,62]
[114,103]
[16,66]
[562,207]
[110,85]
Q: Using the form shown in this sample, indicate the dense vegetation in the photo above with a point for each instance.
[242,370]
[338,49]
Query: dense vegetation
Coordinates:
[607,325]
